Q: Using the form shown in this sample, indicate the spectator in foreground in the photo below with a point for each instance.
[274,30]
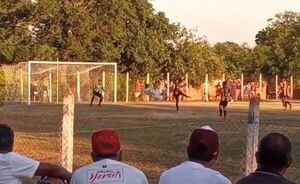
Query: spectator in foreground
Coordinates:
[14,167]
[202,151]
[107,166]
[273,159]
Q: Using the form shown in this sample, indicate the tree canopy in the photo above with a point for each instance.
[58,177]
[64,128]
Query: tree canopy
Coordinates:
[139,39]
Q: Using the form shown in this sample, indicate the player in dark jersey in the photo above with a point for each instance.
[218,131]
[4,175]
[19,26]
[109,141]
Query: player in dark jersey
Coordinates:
[178,91]
[97,91]
[285,93]
[225,97]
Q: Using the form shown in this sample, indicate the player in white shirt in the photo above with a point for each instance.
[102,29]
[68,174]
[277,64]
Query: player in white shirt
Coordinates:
[14,167]
[107,167]
[203,150]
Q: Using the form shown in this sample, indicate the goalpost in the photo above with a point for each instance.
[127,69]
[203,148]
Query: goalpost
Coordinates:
[55,77]
[47,81]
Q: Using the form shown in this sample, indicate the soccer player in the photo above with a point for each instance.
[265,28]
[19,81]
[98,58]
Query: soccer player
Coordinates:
[97,91]
[225,97]
[178,91]
[285,93]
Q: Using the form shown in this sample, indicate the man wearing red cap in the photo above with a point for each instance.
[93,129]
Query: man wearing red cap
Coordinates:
[203,150]
[107,168]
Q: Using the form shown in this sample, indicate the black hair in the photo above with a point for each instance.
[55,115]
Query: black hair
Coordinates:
[106,156]
[274,151]
[6,137]
[201,153]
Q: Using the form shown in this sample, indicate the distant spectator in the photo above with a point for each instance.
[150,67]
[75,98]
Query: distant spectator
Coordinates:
[273,159]
[14,167]
[137,88]
[218,90]
[238,90]
[107,166]
[233,90]
[34,91]
[202,151]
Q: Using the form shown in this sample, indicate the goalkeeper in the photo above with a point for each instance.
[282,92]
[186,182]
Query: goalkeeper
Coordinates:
[97,91]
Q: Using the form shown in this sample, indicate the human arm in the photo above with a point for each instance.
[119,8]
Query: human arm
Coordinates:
[51,170]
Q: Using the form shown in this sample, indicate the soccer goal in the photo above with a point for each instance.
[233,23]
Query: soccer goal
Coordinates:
[47,81]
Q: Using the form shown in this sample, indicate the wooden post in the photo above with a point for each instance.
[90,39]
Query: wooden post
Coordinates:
[68,131]
[252,134]
[57,81]
[50,87]
[223,77]
[78,87]
[260,84]
[103,84]
[206,88]
[22,85]
[148,82]
[168,85]
[187,84]
[242,87]
[127,86]
[292,87]
[276,87]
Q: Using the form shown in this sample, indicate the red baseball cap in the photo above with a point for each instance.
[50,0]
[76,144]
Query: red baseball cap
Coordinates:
[206,137]
[106,142]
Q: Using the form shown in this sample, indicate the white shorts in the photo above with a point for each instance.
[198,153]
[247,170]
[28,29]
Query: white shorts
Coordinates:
[35,92]
[137,94]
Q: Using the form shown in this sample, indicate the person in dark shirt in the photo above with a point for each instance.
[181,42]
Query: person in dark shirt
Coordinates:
[273,159]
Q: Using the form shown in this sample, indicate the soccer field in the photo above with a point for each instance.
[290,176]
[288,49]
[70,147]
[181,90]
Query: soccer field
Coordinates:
[153,135]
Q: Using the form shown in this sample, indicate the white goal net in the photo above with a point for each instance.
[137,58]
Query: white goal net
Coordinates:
[47,81]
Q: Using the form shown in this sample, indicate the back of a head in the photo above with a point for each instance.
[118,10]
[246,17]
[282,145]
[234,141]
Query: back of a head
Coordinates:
[106,143]
[224,83]
[203,144]
[6,138]
[274,151]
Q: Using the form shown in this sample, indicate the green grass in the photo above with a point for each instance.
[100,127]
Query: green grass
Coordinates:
[154,136]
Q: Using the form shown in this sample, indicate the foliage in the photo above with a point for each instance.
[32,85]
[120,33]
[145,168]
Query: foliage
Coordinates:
[140,40]
[278,45]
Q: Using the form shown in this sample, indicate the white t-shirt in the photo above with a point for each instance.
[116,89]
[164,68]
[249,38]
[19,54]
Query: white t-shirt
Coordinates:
[108,171]
[192,173]
[14,167]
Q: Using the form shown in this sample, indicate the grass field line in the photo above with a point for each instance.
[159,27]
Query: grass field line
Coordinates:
[143,127]
[118,128]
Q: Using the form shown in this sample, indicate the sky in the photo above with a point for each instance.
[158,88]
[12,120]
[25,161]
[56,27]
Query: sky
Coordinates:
[225,20]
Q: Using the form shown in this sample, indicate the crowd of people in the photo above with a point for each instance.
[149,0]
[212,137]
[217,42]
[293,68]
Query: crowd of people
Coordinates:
[273,159]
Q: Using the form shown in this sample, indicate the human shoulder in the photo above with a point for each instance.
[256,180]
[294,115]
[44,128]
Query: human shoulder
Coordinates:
[220,179]
[131,169]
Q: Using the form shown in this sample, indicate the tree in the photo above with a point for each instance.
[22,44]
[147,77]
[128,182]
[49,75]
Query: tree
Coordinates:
[236,59]
[278,45]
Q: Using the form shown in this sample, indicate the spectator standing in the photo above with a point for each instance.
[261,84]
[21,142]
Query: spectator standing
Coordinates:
[137,88]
